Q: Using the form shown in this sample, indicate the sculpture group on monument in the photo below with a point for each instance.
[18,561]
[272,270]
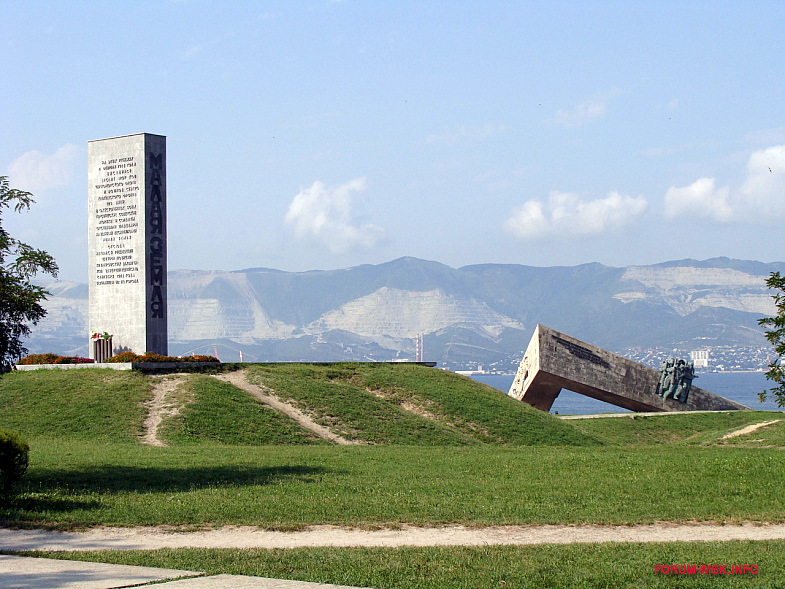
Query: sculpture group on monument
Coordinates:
[676,378]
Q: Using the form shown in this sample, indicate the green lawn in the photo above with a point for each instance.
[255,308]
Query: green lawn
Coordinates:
[444,450]
[285,487]
[610,566]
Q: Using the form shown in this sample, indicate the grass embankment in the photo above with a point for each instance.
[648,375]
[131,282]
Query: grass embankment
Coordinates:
[684,428]
[220,472]
[372,403]
[215,412]
[612,566]
[410,404]
[772,435]
[94,404]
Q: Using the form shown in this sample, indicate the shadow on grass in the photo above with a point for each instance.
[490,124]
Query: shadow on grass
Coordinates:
[41,503]
[117,479]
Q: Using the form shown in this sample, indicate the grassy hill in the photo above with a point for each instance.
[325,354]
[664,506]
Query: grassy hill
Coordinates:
[367,403]
[215,412]
[410,404]
[75,404]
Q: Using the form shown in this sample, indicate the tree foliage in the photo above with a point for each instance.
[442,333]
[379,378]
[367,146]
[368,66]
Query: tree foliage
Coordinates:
[20,300]
[776,335]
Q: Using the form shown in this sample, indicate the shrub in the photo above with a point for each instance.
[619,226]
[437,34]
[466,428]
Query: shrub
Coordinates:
[199,358]
[74,360]
[13,460]
[40,359]
[123,357]
[151,357]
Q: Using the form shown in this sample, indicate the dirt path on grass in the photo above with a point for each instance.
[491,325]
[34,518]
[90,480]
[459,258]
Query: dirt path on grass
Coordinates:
[267,396]
[249,537]
[161,406]
[749,429]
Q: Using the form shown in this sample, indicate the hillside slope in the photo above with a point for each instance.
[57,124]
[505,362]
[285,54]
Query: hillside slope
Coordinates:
[399,403]
[368,403]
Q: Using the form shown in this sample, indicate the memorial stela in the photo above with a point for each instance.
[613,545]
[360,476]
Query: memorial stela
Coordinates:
[127,242]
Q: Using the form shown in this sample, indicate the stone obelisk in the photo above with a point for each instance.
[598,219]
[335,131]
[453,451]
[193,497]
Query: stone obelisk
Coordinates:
[126,234]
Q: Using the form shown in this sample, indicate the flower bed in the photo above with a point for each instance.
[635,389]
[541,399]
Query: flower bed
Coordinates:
[120,358]
[53,359]
[123,357]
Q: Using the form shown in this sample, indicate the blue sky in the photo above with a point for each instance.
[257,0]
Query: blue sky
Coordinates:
[316,135]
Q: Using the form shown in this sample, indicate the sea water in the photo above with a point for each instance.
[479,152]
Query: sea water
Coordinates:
[742,387]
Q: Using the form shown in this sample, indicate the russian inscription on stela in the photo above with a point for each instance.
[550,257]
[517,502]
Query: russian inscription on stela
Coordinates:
[127,242]
[555,361]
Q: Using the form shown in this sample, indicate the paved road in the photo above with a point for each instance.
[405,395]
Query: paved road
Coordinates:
[40,573]
[19,572]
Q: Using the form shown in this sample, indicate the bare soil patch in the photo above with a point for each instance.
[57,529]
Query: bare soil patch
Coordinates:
[161,406]
[422,408]
[748,429]
[249,537]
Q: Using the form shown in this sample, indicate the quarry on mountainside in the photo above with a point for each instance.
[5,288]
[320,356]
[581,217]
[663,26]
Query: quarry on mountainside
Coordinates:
[481,314]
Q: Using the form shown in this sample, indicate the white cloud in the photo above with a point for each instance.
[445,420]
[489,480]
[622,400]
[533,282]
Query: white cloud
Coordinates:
[33,171]
[324,215]
[700,198]
[759,199]
[567,215]
[585,112]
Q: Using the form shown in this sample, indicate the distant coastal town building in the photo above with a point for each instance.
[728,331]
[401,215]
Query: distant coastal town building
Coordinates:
[700,358]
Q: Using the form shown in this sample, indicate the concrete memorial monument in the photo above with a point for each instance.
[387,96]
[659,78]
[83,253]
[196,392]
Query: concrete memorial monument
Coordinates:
[127,243]
[555,361]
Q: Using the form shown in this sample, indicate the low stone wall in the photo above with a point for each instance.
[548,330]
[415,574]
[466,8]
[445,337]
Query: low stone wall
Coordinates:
[143,366]
[110,365]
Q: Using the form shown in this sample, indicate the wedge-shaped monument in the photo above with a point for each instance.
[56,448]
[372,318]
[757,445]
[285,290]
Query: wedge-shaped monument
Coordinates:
[556,361]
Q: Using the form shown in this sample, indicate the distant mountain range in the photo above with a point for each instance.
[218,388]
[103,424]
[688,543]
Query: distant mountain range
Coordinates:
[476,314]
